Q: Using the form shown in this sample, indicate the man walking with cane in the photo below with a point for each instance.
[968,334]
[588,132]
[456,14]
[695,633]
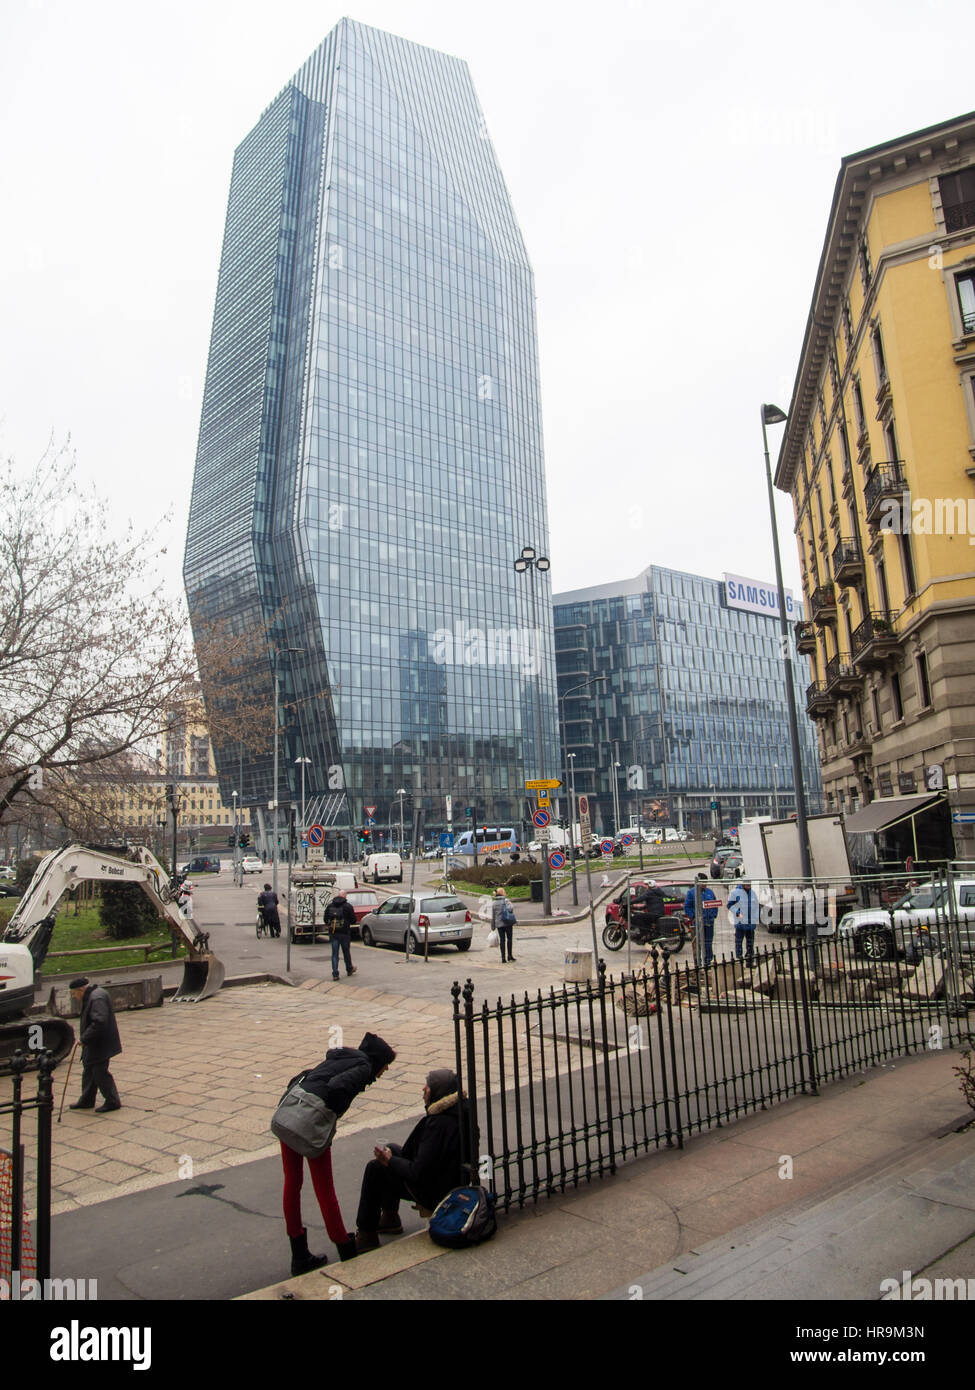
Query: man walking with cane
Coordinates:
[100,1042]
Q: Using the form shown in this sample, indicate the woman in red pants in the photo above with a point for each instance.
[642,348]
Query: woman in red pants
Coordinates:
[345,1072]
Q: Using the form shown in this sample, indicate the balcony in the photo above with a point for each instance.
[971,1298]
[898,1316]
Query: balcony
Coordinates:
[858,744]
[805,639]
[846,482]
[819,702]
[847,562]
[885,482]
[822,605]
[875,643]
[841,678]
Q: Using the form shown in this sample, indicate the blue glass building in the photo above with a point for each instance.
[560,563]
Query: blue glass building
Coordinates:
[692,708]
[370,452]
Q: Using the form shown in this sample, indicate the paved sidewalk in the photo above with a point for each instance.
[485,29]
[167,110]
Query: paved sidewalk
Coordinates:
[763,1173]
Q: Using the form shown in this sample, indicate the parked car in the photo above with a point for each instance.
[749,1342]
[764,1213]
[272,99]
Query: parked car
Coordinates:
[732,866]
[720,855]
[363,901]
[917,921]
[444,918]
[7,890]
[205,864]
[252,864]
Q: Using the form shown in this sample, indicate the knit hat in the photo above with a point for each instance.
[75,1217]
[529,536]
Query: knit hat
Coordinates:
[81,982]
[380,1053]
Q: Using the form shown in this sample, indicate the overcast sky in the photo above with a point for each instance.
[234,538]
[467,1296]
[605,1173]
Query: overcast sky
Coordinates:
[671,167]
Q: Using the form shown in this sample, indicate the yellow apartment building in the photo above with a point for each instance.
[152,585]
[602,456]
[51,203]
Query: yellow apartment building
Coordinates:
[878,456]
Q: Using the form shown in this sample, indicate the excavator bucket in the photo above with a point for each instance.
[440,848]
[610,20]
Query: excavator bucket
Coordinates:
[23,1035]
[202,976]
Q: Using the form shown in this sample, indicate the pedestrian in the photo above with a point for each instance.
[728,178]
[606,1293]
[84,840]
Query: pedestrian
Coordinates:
[344,1074]
[340,919]
[268,903]
[503,922]
[100,1042]
[709,915]
[745,911]
[424,1170]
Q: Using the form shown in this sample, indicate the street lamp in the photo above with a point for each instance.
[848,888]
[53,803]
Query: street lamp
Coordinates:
[401,793]
[593,680]
[303,762]
[530,560]
[276,652]
[772,415]
[775,791]
[236,836]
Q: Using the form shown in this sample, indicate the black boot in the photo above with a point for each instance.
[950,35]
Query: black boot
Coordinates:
[302,1261]
[347,1250]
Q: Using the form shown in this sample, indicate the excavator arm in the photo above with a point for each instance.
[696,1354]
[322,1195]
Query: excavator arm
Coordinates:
[33,922]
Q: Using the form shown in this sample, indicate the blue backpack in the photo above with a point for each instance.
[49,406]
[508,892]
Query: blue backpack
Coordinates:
[508,918]
[464,1217]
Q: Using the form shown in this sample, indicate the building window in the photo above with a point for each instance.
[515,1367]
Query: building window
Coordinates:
[847,323]
[858,412]
[895,693]
[907,564]
[923,683]
[879,360]
[875,698]
[965,285]
[958,199]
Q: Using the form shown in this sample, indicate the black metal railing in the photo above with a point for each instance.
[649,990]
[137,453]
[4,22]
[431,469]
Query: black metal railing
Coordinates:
[565,1086]
[840,675]
[883,480]
[847,558]
[823,601]
[16,1259]
[959,216]
[818,698]
[876,630]
[805,637]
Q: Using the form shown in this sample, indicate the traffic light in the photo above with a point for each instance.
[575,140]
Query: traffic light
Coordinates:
[244,841]
[230,841]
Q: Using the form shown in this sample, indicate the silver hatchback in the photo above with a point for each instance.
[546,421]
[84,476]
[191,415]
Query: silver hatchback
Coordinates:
[444,920]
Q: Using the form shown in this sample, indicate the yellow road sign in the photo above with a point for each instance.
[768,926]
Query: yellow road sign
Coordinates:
[543,798]
[543,784]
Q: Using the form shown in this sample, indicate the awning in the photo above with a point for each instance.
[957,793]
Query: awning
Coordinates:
[887,811]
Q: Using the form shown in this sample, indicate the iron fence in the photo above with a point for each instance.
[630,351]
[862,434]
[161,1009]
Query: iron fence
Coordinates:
[568,1084]
[15,1239]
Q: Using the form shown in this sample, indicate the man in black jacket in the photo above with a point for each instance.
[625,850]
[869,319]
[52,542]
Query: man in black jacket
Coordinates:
[340,917]
[268,903]
[425,1169]
[100,1042]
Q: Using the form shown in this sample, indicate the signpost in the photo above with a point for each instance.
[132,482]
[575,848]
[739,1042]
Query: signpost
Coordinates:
[316,835]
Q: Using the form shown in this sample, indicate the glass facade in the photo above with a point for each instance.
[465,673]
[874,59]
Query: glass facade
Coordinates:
[692,707]
[370,456]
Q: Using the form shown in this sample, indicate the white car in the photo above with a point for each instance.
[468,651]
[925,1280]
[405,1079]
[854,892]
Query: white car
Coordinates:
[252,864]
[882,934]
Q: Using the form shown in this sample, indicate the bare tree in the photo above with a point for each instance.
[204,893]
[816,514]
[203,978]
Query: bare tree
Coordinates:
[92,652]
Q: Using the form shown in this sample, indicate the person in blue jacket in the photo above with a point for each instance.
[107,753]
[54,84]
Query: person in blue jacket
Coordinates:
[745,911]
[709,915]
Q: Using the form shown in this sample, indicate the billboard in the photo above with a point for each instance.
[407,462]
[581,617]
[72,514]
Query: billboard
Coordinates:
[758,596]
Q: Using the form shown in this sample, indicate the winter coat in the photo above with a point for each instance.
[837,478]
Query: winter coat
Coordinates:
[268,902]
[98,1030]
[345,1073]
[650,902]
[429,1163]
[744,907]
[340,916]
[709,905]
[498,905]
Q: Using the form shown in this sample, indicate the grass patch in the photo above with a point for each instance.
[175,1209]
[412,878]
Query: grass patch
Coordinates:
[86,931]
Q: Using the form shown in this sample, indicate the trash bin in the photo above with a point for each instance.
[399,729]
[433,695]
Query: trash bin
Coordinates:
[538,894]
[578,967]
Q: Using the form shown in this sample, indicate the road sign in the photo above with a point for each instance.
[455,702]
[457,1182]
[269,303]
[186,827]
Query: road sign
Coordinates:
[606,846]
[541,784]
[541,818]
[583,805]
[556,859]
[316,854]
[627,841]
[963,817]
[446,839]
[370,820]
[369,810]
[316,834]
[543,798]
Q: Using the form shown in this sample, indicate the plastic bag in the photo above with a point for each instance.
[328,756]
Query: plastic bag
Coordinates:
[493,937]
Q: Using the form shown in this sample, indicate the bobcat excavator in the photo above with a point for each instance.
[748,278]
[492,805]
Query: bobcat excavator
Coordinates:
[27,938]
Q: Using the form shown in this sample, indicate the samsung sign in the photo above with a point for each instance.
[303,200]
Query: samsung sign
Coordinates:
[754,596]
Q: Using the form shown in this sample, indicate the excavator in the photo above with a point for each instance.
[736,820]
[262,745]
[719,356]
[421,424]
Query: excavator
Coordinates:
[25,942]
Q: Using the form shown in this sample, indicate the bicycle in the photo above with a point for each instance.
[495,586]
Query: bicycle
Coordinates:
[263,926]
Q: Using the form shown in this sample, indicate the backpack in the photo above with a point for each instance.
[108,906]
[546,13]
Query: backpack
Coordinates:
[508,918]
[464,1217]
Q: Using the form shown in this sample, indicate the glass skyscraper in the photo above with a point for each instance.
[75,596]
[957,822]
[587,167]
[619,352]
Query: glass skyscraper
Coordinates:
[370,453]
[692,707]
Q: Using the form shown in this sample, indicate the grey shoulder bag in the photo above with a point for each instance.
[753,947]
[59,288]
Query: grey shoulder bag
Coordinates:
[304,1122]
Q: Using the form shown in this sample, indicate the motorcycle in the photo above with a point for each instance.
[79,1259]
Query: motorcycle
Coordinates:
[667,934]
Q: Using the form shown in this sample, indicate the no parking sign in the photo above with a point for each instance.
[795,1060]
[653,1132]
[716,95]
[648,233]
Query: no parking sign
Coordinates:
[556,859]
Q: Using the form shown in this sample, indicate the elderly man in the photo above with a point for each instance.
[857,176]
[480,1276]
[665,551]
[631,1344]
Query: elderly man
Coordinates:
[425,1169]
[100,1042]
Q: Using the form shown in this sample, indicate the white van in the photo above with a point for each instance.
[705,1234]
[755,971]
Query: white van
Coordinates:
[383,866]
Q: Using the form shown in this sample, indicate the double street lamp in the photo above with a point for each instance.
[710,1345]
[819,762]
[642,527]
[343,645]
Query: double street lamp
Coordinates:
[528,562]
